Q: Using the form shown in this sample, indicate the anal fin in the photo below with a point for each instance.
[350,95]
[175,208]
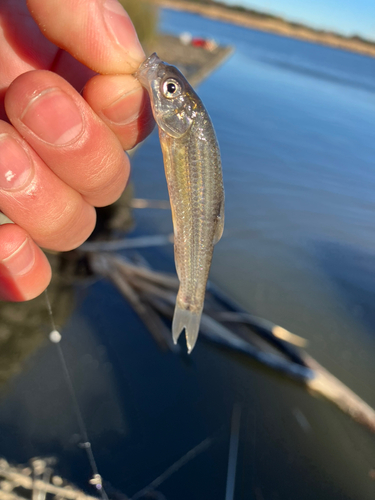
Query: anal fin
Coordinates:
[219,224]
[176,261]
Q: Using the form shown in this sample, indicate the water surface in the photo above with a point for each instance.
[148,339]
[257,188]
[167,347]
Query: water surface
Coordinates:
[295,122]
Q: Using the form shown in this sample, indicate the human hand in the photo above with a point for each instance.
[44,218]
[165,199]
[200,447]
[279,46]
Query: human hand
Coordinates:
[62,154]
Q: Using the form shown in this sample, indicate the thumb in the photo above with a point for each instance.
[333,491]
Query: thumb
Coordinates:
[98,33]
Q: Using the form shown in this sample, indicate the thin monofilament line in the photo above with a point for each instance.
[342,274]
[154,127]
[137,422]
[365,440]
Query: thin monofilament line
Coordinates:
[97,478]
[49,309]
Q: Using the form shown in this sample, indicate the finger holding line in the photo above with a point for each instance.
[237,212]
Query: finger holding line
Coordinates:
[68,135]
[71,159]
[123,105]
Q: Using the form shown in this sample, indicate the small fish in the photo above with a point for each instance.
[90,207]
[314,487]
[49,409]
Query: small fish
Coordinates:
[193,171]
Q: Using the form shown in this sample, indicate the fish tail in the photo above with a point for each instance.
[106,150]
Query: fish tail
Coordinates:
[189,320]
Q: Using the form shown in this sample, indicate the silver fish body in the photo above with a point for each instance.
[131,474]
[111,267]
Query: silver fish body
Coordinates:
[193,171]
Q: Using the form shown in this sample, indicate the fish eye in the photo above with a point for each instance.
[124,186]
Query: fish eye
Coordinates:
[171,88]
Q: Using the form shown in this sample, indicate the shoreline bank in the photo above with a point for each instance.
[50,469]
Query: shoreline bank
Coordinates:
[271,25]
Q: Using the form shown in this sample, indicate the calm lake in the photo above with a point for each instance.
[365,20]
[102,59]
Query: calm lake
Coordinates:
[295,123]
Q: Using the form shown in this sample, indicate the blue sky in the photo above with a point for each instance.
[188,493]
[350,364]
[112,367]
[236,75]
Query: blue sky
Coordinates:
[344,16]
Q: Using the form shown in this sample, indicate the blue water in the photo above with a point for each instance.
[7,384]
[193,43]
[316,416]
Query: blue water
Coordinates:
[295,122]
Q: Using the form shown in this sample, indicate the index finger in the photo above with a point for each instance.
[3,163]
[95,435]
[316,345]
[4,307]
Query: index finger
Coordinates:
[98,33]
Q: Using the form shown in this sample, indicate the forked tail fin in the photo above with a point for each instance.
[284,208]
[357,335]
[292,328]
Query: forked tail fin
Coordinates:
[188,320]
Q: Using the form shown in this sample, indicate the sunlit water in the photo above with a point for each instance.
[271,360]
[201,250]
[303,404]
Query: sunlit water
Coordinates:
[295,122]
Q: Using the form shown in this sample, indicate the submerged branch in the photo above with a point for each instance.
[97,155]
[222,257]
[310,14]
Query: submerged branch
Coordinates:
[152,295]
[277,331]
[326,385]
[126,243]
[143,203]
[201,447]
[107,265]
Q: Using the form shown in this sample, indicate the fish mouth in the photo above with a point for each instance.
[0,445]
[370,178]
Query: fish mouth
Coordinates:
[147,71]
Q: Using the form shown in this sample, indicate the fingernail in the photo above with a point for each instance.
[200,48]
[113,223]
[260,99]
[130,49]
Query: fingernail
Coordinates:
[126,108]
[121,27]
[20,261]
[15,165]
[54,117]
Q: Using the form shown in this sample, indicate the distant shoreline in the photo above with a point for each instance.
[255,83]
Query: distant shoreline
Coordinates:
[272,25]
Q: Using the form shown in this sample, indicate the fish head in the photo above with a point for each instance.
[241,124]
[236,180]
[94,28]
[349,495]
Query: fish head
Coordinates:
[173,100]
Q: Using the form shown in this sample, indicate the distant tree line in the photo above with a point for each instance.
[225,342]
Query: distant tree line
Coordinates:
[263,15]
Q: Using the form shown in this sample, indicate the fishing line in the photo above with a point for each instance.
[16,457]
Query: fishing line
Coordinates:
[55,338]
